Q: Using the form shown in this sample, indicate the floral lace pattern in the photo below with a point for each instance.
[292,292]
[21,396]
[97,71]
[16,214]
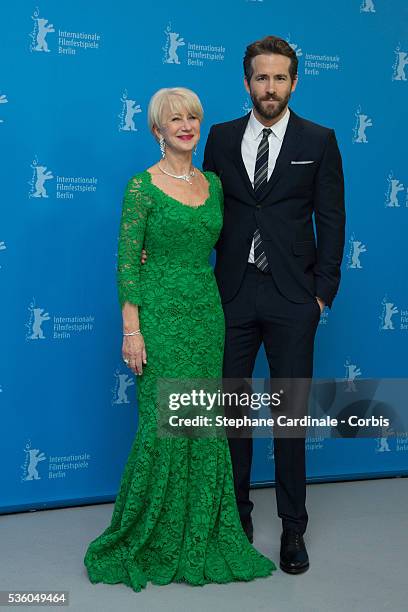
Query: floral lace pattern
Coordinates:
[175,517]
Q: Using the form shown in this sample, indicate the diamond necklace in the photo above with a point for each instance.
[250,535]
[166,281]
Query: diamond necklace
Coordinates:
[183,177]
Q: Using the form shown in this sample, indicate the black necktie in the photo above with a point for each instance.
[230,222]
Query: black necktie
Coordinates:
[260,178]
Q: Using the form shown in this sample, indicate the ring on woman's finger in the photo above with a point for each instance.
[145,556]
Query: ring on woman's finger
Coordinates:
[126,361]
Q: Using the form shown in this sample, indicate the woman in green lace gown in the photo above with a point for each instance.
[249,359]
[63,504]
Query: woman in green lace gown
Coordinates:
[175,517]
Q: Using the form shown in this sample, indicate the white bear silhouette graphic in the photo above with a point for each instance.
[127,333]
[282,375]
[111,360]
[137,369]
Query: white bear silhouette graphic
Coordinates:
[396,187]
[175,43]
[358,248]
[131,110]
[42,175]
[39,317]
[124,383]
[390,310]
[402,61]
[43,29]
[367,6]
[364,123]
[35,458]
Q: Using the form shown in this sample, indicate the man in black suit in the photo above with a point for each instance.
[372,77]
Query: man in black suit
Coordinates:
[274,275]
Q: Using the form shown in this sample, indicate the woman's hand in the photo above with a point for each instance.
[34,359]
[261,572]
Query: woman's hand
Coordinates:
[134,350]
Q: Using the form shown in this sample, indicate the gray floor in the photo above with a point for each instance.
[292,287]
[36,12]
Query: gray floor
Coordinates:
[357,541]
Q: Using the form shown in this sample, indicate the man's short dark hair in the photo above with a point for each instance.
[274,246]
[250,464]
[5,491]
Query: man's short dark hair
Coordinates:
[266,46]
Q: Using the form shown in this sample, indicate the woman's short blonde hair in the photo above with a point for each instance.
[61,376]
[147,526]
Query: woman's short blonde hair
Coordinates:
[173,100]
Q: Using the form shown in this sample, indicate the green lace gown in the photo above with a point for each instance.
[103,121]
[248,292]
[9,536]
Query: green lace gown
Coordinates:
[175,517]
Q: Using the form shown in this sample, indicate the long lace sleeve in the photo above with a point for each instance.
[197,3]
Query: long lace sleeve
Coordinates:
[220,192]
[131,238]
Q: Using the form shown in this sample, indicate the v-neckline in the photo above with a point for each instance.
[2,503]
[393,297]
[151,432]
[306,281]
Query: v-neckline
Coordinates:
[178,201]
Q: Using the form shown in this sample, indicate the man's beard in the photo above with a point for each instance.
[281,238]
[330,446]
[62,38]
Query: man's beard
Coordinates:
[270,113]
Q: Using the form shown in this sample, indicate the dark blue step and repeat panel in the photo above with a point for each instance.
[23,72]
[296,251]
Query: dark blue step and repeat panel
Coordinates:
[75,82]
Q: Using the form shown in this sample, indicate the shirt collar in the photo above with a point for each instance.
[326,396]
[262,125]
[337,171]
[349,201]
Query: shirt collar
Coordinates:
[279,128]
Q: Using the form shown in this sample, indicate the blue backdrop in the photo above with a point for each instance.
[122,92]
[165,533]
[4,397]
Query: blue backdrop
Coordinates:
[76,79]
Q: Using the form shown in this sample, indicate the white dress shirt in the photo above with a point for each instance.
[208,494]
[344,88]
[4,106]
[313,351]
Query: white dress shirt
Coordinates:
[249,149]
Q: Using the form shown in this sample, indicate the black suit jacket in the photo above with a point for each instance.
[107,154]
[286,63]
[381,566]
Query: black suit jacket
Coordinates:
[283,211]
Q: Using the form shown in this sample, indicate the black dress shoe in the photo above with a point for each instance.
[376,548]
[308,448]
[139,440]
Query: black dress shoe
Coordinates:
[248,528]
[293,554]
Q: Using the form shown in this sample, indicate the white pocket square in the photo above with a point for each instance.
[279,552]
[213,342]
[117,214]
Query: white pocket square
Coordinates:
[309,161]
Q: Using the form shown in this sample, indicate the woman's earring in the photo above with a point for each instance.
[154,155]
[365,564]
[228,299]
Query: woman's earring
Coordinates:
[195,149]
[162,144]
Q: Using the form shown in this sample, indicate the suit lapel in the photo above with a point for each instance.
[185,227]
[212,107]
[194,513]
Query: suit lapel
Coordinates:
[239,162]
[287,152]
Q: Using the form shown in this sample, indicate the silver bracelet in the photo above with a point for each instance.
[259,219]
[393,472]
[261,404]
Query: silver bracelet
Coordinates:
[133,333]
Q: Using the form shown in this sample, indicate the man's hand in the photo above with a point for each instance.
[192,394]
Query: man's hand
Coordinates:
[321,303]
[143,257]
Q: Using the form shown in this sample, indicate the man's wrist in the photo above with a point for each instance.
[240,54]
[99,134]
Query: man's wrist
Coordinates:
[321,302]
